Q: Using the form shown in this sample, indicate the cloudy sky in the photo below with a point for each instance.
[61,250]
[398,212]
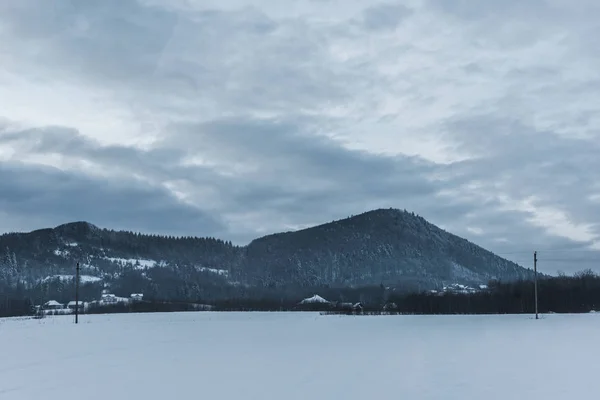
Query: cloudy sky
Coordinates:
[239,118]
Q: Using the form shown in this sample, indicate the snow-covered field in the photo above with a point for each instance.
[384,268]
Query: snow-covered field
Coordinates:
[288,356]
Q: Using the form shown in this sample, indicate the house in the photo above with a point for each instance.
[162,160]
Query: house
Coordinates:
[53,305]
[457,288]
[137,296]
[316,299]
[109,298]
[73,304]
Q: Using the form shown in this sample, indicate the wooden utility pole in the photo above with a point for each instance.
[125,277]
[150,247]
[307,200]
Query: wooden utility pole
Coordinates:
[77,294]
[535,283]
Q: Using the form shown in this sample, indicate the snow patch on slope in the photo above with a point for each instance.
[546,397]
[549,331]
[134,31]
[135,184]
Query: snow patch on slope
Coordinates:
[61,253]
[137,263]
[462,273]
[222,272]
[83,278]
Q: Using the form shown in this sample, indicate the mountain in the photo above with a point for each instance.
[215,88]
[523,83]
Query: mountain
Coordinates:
[382,247]
[378,246]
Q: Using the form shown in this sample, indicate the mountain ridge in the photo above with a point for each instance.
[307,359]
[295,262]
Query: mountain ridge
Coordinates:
[382,246]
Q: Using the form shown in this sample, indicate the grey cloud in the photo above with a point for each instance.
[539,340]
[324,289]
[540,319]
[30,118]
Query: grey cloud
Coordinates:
[239,59]
[283,151]
[54,196]
[385,16]
[298,177]
[112,39]
[522,162]
[475,9]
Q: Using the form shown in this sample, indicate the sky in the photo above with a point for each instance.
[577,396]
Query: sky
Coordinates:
[240,118]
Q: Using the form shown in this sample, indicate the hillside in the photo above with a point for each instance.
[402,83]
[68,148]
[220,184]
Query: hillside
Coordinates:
[386,246]
[125,262]
[390,247]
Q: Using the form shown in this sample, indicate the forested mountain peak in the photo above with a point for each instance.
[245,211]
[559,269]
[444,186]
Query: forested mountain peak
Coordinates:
[384,246]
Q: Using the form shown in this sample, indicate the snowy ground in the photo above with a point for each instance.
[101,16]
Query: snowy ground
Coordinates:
[288,356]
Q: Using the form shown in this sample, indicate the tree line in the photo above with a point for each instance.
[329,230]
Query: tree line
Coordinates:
[563,294]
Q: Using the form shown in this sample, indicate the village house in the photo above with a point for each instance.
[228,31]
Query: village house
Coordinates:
[72,305]
[137,297]
[109,298]
[53,305]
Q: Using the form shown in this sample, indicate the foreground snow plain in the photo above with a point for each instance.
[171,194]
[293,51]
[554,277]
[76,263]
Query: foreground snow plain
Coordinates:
[299,356]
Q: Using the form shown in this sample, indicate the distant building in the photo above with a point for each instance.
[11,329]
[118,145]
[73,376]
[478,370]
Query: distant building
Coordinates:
[53,305]
[457,288]
[137,296]
[109,298]
[358,308]
[72,305]
[316,299]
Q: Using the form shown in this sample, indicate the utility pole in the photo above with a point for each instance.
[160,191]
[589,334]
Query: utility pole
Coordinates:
[535,283]
[77,294]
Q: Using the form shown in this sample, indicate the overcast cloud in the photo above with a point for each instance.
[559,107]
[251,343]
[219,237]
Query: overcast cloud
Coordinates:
[240,118]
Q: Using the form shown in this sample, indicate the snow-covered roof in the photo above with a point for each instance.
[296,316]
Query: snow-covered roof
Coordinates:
[72,303]
[315,299]
[53,303]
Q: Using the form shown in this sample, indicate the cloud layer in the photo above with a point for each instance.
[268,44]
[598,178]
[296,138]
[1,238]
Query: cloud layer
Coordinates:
[236,120]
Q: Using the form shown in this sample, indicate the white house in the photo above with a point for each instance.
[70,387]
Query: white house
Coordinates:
[137,296]
[53,305]
[73,304]
[109,298]
[314,300]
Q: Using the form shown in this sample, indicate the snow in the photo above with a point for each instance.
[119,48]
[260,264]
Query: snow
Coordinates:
[315,299]
[72,244]
[274,356]
[459,288]
[61,253]
[222,272]
[82,278]
[463,273]
[135,262]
